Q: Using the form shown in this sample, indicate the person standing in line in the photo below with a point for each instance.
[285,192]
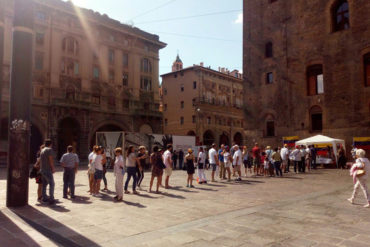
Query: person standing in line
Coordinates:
[296,156]
[342,160]
[131,162]
[256,158]
[245,154]
[69,162]
[361,163]
[103,153]
[308,159]
[276,159]
[35,173]
[201,166]
[142,156]
[156,161]
[108,156]
[98,160]
[189,159]
[221,160]
[168,163]
[284,154]
[174,159]
[228,161]
[238,161]
[47,170]
[313,157]
[91,170]
[303,157]
[232,151]
[119,165]
[181,159]
[213,160]
[269,152]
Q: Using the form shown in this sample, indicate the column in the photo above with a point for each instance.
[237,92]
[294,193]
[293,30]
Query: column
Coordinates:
[20,104]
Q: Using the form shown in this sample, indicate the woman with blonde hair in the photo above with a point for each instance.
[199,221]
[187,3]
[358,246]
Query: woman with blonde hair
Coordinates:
[189,159]
[119,172]
[360,172]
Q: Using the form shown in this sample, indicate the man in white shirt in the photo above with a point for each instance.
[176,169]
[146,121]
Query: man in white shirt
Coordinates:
[167,157]
[284,153]
[296,154]
[213,160]
[238,161]
[201,165]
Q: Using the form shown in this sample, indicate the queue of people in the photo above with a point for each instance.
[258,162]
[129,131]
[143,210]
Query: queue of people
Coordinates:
[224,162]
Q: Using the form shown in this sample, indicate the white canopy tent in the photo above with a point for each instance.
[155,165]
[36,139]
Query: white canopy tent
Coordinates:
[320,139]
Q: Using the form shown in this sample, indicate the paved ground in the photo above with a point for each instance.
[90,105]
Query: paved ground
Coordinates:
[297,210]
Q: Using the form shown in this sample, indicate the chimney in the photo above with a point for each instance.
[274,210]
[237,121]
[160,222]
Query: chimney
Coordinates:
[201,64]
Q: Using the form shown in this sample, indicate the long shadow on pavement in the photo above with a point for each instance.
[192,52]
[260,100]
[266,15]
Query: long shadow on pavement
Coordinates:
[172,195]
[65,237]
[11,234]
[178,188]
[135,204]
[205,189]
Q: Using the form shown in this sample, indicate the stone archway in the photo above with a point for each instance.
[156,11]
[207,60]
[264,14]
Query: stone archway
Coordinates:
[208,138]
[191,133]
[109,127]
[146,129]
[224,139]
[69,131]
[238,138]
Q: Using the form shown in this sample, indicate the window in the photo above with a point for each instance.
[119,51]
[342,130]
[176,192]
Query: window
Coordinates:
[182,104]
[40,38]
[194,101]
[39,61]
[146,84]
[194,85]
[41,16]
[76,68]
[111,76]
[125,60]
[269,78]
[367,69]
[316,118]
[315,80]
[165,91]
[209,120]
[146,66]
[70,45]
[165,107]
[268,50]
[69,67]
[193,119]
[340,15]
[95,99]
[182,88]
[165,122]
[270,128]
[181,120]
[111,56]
[124,79]
[96,73]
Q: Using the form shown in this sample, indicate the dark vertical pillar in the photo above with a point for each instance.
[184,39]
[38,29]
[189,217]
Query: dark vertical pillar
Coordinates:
[20,104]
[2,30]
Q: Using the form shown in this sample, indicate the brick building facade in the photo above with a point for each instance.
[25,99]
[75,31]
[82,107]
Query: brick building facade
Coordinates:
[203,102]
[91,73]
[306,69]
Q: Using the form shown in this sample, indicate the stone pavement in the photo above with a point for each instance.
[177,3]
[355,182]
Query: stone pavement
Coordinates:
[297,210]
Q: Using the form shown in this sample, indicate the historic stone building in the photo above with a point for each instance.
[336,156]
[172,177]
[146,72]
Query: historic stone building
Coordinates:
[91,73]
[306,69]
[202,102]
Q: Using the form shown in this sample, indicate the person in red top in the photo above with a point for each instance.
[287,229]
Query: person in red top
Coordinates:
[256,158]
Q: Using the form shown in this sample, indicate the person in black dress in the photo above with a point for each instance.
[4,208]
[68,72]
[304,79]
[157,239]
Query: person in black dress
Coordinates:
[189,159]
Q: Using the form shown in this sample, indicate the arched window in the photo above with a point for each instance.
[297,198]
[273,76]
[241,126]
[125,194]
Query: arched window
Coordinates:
[367,69]
[70,45]
[340,15]
[315,80]
[146,66]
[268,50]
[316,118]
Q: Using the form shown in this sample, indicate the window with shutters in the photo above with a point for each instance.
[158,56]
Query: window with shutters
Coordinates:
[315,80]
[367,69]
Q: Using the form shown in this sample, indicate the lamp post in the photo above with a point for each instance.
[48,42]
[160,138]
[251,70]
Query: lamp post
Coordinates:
[20,104]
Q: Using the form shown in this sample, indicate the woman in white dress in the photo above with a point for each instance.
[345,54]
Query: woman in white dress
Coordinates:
[119,172]
[362,166]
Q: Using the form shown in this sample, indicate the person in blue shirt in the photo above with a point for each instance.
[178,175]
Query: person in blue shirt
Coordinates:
[221,160]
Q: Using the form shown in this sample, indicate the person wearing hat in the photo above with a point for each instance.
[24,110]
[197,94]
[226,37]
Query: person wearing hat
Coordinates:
[189,159]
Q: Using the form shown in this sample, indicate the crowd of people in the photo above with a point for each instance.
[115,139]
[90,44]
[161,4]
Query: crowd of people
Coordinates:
[225,162]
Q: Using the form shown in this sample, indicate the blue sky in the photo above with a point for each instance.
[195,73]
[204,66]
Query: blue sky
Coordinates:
[215,39]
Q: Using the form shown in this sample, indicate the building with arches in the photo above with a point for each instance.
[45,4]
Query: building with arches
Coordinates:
[91,73]
[202,102]
[306,69]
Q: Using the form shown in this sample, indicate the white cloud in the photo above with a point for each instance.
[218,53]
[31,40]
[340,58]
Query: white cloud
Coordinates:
[239,20]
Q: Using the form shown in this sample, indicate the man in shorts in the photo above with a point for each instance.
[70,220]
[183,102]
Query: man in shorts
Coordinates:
[167,157]
[213,160]
[238,161]
[256,158]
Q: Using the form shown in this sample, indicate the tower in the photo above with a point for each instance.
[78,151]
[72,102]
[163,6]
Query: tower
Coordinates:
[177,64]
